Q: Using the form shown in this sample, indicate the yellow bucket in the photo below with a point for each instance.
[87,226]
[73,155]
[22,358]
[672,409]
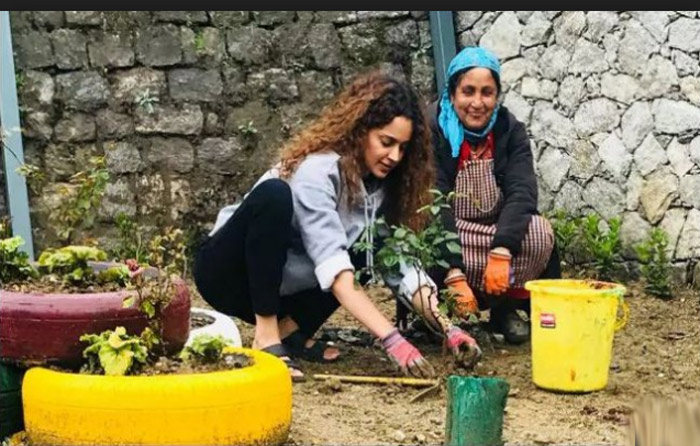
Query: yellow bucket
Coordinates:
[573,323]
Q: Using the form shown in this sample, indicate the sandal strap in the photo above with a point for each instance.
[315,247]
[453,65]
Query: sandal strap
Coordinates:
[296,343]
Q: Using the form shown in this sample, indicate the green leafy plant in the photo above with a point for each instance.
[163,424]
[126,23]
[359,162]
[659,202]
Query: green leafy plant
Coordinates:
[130,244]
[14,263]
[147,101]
[205,349]
[567,234]
[114,352]
[422,249]
[248,129]
[603,247]
[71,263]
[656,266]
[199,41]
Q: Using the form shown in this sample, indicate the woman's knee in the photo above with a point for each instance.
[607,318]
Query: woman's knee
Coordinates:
[273,196]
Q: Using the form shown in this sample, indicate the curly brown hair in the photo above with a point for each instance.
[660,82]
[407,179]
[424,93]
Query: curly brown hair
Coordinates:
[372,101]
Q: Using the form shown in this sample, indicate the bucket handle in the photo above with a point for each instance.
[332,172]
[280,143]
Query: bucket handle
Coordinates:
[621,319]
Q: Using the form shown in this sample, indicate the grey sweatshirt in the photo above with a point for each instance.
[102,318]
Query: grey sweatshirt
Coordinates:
[324,228]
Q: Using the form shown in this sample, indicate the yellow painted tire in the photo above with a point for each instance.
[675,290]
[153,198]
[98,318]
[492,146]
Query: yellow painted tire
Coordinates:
[246,406]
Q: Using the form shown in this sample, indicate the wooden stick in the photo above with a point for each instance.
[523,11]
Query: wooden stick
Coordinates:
[415,382]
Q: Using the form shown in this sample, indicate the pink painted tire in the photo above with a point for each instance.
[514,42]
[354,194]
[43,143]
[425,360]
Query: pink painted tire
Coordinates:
[38,328]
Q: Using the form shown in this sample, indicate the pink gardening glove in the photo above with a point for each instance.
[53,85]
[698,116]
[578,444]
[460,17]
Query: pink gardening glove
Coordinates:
[463,347]
[406,356]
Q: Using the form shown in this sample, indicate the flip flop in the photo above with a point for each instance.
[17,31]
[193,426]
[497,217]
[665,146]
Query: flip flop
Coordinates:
[296,344]
[281,352]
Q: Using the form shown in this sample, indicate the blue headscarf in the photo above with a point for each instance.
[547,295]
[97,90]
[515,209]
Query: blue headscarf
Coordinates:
[452,128]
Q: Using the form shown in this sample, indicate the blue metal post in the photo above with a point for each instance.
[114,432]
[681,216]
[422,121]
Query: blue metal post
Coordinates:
[12,136]
[442,31]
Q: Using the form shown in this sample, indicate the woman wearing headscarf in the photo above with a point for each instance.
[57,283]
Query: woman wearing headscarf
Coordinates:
[483,154]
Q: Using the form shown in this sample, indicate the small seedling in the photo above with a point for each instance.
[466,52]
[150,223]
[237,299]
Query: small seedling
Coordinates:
[656,266]
[199,41]
[146,101]
[248,130]
[115,353]
[14,263]
[205,349]
[603,247]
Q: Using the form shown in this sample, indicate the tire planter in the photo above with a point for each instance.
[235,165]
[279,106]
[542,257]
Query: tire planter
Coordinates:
[247,406]
[46,328]
[11,419]
[222,325]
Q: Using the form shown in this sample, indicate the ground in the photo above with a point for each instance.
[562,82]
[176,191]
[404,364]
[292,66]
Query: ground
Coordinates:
[655,354]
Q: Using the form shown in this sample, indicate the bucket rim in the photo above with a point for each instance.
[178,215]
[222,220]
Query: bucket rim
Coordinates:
[559,285]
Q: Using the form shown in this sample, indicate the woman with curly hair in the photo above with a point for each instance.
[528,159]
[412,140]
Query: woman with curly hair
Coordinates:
[281,259]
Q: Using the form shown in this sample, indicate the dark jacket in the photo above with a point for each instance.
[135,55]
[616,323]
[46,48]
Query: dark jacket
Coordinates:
[515,176]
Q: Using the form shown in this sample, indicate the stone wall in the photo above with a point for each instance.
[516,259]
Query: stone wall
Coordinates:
[612,104]
[189,108]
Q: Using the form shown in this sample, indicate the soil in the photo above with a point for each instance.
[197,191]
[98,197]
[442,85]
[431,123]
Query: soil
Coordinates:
[656,354]
[173,366]
[52,285]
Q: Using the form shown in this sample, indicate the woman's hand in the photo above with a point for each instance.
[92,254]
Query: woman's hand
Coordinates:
[497,272]
[408,359]
[465,302]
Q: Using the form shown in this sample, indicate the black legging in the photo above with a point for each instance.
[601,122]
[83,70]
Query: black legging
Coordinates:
[238,270]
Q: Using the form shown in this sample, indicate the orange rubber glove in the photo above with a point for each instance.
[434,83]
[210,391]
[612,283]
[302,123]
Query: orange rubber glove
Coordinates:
[497,273]
[464,296]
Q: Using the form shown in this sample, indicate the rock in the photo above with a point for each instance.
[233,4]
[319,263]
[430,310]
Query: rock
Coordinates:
[696,276]
[584,159]
[659,190]
[689,240]
[38,89]
[679,156]
[398,436]
[465,20]
[84,90]
[365,15]
[570,92]
[685,64]
[674,116]
[37,125]
[49,19]
[605,197]
[122,157]
[636,123]
[181,16]
[158,45]
[658,77]
[503,38]
[593,87]
[634,190]
[130,85]
[550,126]
[325,46]
[690,190]
[694,149]
[568,28]
[514,69]
[655,22]
[212,124]
[569,198]
[633,231]
[70,49]
[554,63]
[597,115]
[649,155]
[278,85]
[690,88]
[234,84]
[183,120]
[33,50]
[118,199]
[615,157]
[587,58]
[611,43]
[553,166]
[544,89]
[684,34]
[89,18]
[537,30]
[621,87]
[423,75]
[113,125]
[672,224]
[229,19]
[207,46]
[339,17]
[599,24]
[402,36]
[111,50]
[361,43]
[175,154]
[219,155]
[193,84]
[518,106]
[75,127]
[635,48]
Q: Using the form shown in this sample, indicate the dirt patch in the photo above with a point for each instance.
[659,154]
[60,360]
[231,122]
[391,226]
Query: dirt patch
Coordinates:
[173,366]
[50,285]
[655,354]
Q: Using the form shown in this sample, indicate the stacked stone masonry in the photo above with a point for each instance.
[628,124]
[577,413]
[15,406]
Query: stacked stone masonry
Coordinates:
[189,108]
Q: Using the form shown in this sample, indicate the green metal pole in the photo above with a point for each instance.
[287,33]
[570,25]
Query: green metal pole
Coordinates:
[442,32]
[18,200]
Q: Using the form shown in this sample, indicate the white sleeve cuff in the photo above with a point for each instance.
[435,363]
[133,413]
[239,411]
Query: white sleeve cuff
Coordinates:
[329,269]
[412,280]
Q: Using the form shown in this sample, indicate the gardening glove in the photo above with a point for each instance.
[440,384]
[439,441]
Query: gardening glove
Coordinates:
[406,356]
[465,302]
[497,273]
[464,348]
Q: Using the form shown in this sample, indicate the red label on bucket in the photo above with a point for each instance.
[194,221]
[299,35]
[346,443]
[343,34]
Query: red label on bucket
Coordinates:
[548,320]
